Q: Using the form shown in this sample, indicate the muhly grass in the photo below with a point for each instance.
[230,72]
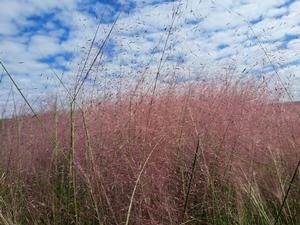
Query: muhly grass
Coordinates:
[211,153]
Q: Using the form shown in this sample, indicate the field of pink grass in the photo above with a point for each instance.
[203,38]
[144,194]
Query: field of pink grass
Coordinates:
[211,153]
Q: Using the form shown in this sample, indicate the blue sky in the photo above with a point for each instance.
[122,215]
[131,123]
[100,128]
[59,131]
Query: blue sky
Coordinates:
[208,37]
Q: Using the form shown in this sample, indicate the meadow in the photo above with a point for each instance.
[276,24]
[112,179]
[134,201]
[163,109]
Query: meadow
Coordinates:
[218,152]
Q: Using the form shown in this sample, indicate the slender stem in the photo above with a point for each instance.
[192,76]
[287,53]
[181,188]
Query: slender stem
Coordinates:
[287,193]
[191,178]
[96,57]
[137,182]
[72,158]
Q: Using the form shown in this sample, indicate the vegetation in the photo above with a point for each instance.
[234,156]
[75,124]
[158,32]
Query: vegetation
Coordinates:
[203,153]
[219,152]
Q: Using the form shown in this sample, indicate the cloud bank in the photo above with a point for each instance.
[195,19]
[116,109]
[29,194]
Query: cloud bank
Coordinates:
[250,37]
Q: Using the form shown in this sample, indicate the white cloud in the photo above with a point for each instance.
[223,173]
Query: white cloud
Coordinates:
[200,28]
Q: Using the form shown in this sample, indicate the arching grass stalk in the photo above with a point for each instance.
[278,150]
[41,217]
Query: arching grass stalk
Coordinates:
[23,96]
[99,53]
[138,180]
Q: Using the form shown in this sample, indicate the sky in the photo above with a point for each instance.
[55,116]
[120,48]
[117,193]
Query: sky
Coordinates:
[201,38]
